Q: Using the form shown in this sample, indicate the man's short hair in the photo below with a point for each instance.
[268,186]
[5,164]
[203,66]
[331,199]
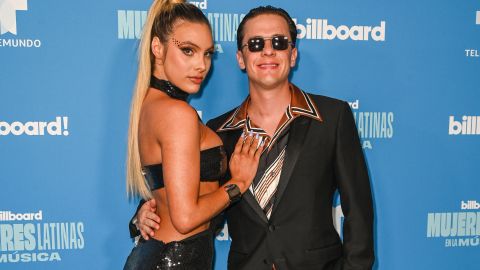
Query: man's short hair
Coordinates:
[292,28]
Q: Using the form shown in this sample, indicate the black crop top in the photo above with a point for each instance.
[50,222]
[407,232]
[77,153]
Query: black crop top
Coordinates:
[213,165]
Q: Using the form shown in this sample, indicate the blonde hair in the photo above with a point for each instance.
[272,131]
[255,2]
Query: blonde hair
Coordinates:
[160,23]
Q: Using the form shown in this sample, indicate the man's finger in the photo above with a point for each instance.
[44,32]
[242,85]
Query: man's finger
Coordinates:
[152,224]
[153,216]
[145,229]
[152,203]
[144,235]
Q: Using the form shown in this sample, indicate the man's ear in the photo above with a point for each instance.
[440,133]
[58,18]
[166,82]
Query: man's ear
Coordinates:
[158,49]
[240,60]
[293,57]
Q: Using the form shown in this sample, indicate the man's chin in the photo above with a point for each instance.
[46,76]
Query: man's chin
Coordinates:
[271,83]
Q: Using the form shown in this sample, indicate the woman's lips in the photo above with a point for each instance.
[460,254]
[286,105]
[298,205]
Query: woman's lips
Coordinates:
[196,80]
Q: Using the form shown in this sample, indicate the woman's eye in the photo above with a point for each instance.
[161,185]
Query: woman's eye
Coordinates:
[209,53]
[187,51]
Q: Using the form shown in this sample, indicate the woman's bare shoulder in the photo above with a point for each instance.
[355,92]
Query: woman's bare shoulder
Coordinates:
[169,114]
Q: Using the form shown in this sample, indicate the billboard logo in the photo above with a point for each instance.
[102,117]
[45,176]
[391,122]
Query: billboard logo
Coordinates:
[200,4]
[470,205]
[469,125]
[354,104]
[8,15]
[55,128]
[10,216]
[456,229]
[320,29]
[372,126]
[27,238]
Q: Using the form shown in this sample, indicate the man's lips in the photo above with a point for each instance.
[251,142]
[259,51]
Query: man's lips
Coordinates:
[268,65]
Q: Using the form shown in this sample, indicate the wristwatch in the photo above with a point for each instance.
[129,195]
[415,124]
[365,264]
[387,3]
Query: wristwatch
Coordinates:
[233,192]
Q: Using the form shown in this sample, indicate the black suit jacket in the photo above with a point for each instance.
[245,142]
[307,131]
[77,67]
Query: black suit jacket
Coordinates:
[320,157]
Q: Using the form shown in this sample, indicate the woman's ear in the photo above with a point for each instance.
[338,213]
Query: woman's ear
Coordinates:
[158,50]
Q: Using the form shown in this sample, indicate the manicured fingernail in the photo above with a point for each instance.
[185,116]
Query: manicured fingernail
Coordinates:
[243,135]
[250,133]
[256,136]
[260,142]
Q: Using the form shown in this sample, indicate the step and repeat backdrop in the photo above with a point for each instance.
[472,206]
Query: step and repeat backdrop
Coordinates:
[410,71]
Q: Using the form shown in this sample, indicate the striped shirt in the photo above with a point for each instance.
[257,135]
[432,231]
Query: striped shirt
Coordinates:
[271,161]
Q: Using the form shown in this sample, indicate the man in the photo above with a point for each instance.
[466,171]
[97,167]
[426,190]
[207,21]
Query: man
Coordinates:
[285,220]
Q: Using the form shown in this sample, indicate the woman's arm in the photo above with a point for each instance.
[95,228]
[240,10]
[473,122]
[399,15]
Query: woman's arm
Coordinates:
[179,136]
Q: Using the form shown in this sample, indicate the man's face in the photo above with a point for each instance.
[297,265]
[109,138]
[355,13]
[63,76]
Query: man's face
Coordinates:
[267,68]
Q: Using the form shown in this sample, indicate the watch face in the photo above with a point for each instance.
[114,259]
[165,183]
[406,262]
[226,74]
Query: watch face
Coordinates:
[233,192]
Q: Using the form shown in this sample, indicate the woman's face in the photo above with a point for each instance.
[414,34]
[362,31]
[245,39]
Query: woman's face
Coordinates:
[186,57]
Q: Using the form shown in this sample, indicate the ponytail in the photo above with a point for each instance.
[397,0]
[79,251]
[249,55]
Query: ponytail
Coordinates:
[162,16]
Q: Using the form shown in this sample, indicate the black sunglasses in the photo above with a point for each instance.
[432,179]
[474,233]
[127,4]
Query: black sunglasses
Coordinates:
[279,43]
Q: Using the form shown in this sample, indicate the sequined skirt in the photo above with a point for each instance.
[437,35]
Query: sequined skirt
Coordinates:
[192,253]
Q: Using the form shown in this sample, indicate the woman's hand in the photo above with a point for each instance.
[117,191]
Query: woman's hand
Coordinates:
[244,160]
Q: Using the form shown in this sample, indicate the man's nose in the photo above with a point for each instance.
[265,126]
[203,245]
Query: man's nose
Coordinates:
[268,48]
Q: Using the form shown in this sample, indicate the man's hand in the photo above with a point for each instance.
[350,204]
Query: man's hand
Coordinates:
[147,219]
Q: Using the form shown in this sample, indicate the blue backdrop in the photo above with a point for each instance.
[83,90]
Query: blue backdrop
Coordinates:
[410,70]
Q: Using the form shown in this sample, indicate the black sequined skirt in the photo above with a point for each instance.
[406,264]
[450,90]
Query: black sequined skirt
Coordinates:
[192,253]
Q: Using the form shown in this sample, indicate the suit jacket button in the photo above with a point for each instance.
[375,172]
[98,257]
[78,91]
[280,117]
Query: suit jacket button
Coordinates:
[271,228]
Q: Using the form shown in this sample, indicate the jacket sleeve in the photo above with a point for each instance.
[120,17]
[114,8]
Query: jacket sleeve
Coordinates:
[210,125]
[355,194]
[134,232]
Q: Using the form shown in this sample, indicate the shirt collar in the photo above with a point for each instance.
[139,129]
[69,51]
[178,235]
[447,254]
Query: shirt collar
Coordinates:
[301,104]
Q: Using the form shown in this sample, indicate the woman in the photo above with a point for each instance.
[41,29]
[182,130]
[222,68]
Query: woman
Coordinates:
[181,159]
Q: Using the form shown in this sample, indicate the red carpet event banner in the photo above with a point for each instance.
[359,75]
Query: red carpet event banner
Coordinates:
[408,69]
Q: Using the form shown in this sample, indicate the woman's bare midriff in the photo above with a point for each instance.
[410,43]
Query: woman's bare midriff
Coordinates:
[167,232]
